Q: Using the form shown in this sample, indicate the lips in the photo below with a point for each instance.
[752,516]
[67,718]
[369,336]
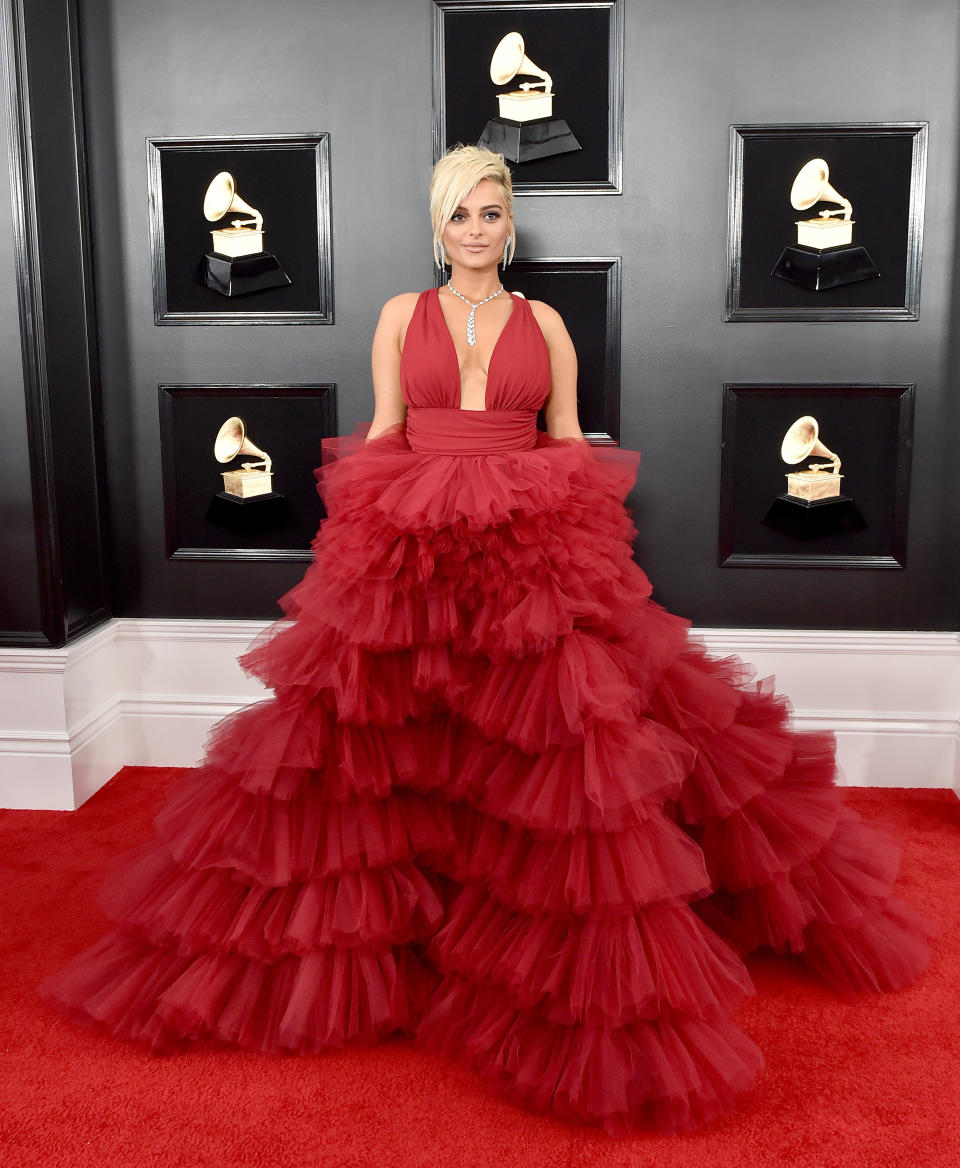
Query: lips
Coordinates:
[476,246]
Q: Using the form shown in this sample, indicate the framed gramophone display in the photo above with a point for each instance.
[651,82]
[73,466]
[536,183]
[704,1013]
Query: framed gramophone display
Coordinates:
[825,222]
[238,464]
[541,83]
[240,229]
[815,476]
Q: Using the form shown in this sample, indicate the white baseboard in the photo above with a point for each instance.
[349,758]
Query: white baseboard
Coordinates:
[137,692]
[146,692]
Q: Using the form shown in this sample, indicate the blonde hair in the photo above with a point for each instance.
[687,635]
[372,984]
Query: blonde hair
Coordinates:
[454,177]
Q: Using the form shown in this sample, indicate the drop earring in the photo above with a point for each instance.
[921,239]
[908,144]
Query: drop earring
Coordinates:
[506,251]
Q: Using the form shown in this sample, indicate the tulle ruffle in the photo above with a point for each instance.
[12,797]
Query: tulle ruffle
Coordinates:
[208,823]
[585,873]
[212,908]
[163,999]
[596,970]
[472,492]
[673,1073]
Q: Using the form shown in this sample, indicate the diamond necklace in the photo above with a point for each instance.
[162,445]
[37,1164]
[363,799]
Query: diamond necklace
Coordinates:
[471,319]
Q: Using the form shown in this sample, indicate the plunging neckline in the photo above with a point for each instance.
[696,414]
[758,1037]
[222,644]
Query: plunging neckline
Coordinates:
[456,359]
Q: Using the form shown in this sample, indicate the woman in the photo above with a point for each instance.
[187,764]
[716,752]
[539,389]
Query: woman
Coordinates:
[499,799]
[473,231]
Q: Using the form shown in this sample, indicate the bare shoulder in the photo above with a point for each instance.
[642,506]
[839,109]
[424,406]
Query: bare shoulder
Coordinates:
[398,309]
[549,320]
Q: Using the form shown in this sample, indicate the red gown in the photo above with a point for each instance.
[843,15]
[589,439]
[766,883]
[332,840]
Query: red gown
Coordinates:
[500,799]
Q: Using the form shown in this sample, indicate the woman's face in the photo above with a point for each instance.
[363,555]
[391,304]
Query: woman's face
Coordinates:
[477,230]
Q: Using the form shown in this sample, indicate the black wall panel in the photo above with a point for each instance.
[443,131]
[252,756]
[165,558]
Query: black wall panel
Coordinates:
[58,383]
[19,571]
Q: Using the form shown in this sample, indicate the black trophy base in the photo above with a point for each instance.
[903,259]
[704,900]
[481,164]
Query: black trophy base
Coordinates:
[801,519]
[820,270]
[241,275]
[525,141]
[253,516]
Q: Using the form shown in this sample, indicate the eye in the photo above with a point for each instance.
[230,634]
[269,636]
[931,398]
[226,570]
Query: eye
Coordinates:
[457,217]
[493,216]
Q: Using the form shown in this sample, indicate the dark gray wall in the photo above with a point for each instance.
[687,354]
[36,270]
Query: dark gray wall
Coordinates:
[362,71]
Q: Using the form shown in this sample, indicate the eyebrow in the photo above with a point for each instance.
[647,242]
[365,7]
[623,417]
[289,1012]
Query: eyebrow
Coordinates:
[488,207]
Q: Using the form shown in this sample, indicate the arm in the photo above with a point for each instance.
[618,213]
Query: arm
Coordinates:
[389,406]
[560,410]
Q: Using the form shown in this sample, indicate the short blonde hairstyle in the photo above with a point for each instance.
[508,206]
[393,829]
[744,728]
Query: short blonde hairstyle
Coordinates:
[454,177]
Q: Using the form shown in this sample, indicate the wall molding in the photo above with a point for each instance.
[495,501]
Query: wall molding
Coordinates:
[146,692]
[47,164]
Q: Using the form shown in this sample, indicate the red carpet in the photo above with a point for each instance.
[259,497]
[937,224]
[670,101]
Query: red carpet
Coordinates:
[872,1085]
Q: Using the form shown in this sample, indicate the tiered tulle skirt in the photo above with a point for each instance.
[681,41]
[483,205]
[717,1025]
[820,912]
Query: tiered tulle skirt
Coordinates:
[501,801]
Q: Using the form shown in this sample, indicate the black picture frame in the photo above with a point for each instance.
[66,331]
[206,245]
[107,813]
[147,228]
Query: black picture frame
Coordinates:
[879,166]
[288,421]
[586,291]
[284,176]
[579,42]
[870,427]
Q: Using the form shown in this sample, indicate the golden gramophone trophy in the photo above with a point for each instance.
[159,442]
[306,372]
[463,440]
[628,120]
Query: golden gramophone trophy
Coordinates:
[250,478]
[812,505]
[824,255]
[525,128]
[236,264]
[248,504]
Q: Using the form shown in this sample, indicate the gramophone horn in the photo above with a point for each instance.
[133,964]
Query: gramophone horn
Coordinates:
[232,441]
[509,59]
[812,186]
[802,440]
[222,197]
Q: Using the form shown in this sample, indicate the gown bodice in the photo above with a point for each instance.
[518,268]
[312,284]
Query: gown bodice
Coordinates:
[518,383]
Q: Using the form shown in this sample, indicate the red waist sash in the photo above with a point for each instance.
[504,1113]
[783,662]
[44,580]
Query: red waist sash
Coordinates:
[441,430]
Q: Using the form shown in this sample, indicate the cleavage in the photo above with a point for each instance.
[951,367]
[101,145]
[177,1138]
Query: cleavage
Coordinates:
[473,382]
[473,373]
